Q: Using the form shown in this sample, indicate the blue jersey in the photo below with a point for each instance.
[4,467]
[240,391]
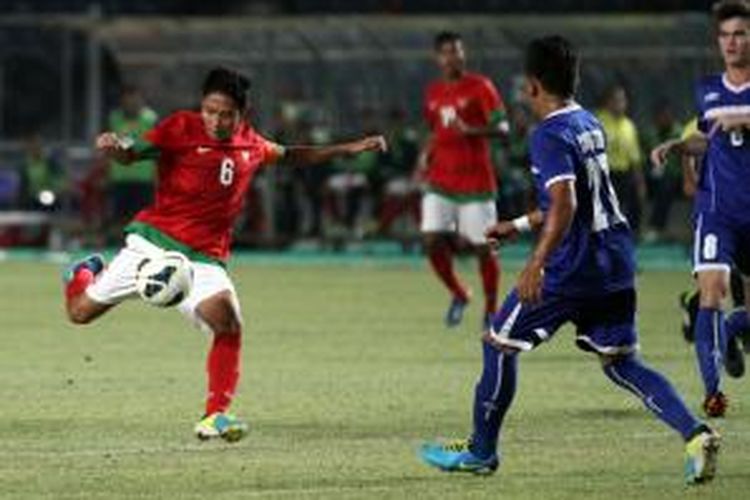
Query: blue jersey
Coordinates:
[724,182]
[596,256]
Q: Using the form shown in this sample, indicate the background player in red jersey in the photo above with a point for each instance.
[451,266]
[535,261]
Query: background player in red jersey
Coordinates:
[463,110]
[206,160]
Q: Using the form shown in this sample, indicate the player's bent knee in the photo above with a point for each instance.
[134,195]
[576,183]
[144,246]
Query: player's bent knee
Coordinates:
[79,314]
[220,314]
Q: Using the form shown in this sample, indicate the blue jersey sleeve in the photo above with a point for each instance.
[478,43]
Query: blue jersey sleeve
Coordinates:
[553,158]
[703,125]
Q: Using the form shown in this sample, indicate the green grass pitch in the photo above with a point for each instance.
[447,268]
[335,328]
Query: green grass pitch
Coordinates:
[346,370]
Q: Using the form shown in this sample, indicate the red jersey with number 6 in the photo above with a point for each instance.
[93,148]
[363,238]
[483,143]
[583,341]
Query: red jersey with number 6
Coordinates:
[201,181]
[460,165]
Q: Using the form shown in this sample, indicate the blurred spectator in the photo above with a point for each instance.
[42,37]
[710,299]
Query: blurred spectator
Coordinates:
[314,179]
[666,181]
[38,185]
[624,154]
[515,181]
[286,209]
[43,179]
[131,186]
[348,188]
[400,193]
[689,163]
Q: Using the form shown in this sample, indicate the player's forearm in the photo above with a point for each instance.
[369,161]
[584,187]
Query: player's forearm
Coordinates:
[536,220]
[695,145]
[531,221]
[554,226]
[314,155]
[114,147]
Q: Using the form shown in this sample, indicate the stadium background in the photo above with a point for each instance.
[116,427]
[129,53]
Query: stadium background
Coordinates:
[320,70]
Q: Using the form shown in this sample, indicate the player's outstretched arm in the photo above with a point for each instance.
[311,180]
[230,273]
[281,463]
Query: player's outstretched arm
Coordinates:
[508,229]
[694,145]
[312,155]
[557,221]
[116,148]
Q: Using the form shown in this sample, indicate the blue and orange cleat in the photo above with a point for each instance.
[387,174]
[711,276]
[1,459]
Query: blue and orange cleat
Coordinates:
[93,262]
[456,456]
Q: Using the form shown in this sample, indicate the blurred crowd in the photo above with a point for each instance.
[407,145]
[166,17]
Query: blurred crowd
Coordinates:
[371,196]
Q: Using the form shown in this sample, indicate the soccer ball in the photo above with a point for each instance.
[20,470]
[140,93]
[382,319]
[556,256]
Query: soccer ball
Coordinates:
[164,280]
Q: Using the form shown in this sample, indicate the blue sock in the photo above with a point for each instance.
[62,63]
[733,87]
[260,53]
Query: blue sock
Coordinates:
[656,393]
[492,398]
[737,321]
[710,345]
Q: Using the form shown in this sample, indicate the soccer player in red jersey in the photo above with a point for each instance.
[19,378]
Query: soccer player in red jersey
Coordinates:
[206,160]
[463,110]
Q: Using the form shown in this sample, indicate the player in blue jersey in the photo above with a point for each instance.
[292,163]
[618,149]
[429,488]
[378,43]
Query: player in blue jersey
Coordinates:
[722,200]
[581,271]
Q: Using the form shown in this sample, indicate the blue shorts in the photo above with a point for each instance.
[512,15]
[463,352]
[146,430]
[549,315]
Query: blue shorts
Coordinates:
[720,244]
[605,324]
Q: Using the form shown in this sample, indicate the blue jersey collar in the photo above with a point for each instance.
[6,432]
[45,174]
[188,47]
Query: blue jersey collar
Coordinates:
[569,108]
[734,88]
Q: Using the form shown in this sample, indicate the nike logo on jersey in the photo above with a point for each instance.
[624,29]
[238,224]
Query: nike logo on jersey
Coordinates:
[246,155]
[202,150]
[711,96]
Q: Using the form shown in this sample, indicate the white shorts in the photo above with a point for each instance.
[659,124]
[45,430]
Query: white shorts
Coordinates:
[470,219]
[117,282]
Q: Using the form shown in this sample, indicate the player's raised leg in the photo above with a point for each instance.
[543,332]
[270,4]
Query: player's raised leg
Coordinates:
[79,307]
[661,399]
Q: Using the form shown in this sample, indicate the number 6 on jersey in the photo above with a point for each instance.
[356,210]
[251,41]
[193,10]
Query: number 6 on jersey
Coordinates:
[226,173]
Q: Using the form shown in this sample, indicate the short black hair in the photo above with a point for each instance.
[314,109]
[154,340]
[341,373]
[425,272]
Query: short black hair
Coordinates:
[228,82]
[727,9]
[554,61]
[446,37]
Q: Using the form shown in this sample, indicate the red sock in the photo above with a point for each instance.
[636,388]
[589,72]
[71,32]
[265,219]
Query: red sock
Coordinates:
[489,268]
[81,280]
[441,259]
[223,368]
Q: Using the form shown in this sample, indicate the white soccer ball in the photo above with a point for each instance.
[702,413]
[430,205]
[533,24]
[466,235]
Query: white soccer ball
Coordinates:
[164,280]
